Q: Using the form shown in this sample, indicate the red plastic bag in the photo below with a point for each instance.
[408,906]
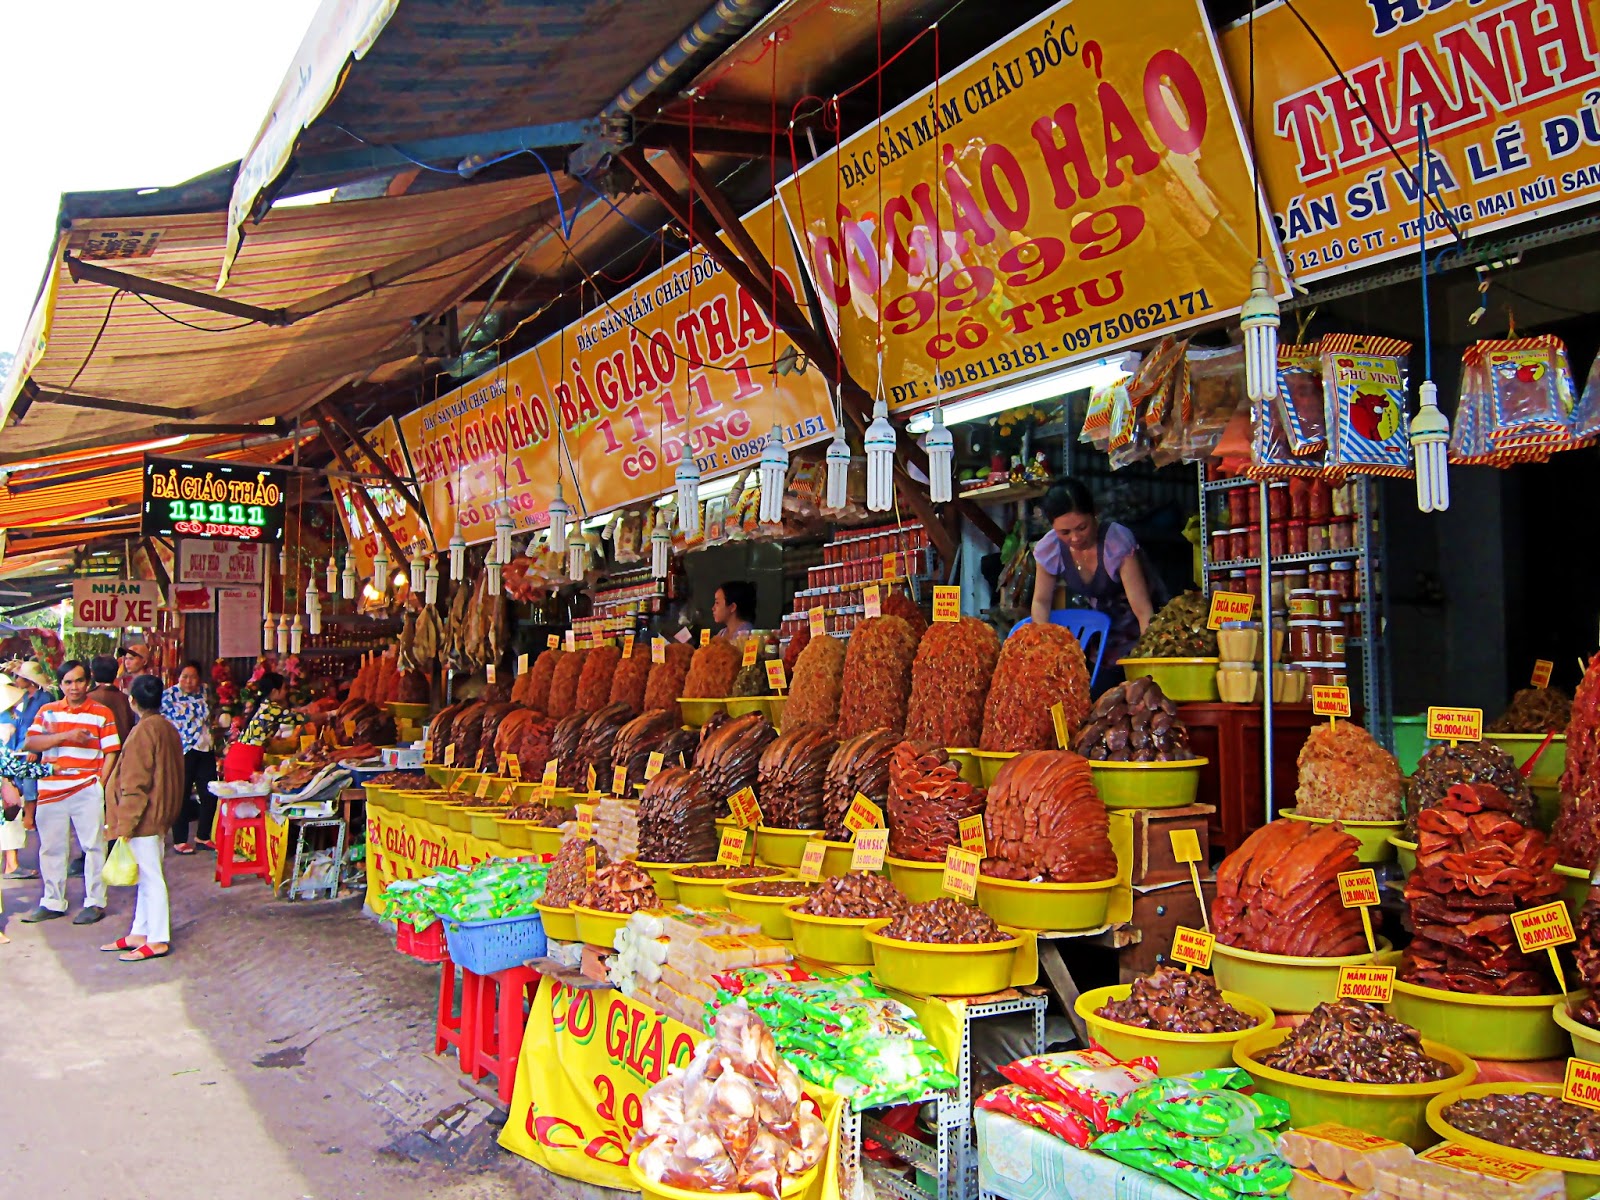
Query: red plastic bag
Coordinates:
[1014,1100]
[1090,1082]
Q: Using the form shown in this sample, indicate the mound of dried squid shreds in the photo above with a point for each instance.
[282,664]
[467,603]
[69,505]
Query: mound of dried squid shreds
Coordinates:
[594,682]
[1039,666]
[927,801]
[814,687]
[950,681]
[877,677]
[667,678]
[712,671]
[532,687]
[564,683]
[632,677]
[1535,710]
[898,604]
[1346,775]
[1046,823]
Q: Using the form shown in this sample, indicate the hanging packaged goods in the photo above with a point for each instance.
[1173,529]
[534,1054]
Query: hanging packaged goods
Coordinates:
[360,533]
[1504,86]
[1092,190]
[684,357]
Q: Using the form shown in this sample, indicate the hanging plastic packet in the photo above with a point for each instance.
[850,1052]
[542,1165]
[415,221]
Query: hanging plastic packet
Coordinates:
[1014,1100]
[1216,389]
[1364,394]
[1170,439]
[1097,420]
[1531,386]
[1300,402]
[1270,454]
[1469,444]
[1585,422]
[1162,398]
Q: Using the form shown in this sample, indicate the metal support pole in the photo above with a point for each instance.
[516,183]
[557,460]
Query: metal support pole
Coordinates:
[1266,648]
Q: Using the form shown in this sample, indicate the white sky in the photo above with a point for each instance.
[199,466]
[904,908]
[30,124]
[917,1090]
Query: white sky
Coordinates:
[99,94]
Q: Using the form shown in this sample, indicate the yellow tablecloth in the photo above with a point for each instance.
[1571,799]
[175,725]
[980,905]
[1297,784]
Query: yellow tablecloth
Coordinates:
[588,1058]
[402,847]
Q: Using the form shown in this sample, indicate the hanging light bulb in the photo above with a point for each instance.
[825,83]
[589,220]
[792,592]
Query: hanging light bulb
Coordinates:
[492,565]
[430,582]
[774,468]
[296,635]
[560,512]
[458,555]
[314,615]
[1430,446]
[283,562]
[282,632]
[1259,321]
[880,459]
[269,632]
[415,570]
[687,478]
[838,458]
[347,581]
[503,529]
[575,557]
[941,449]
[660,550]
[331,579]
[380,572]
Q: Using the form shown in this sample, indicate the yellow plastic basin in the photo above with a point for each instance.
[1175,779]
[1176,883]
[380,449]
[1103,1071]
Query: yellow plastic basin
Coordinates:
[771,911]
[782,847]
[1374,836]
[1577,889]
[409,712]
[660,1191]
[483,823]
[661,876]
[1582,1175]
[1405,853]
[380,797]
[990,762]
[775,706]
[1585,1038]
[926,969]
[444,776]
[428,807]
[707,893]
[559,923]
[1547,799]
[697,712]
[918,880]
[966,760]
[1182,680]
[1398,1111]
[1511,1028]
[1284,983]
[596,927]
[1521,747]
[1147,785]
[1055,906]
[739,706]
[518,835]
[544,841]
[1177,1053]
[458,818]
[839,941]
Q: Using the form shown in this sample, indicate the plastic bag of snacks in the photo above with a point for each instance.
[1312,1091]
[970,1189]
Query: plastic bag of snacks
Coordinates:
[415,901]
[1299,405]
[1090,1082]
[1052,1116]
[1202,1104]
[1269,1177]
[1364,393]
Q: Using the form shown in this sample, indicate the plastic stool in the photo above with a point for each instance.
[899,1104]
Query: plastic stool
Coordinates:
[229,826]
[456,1028]
[501,1018]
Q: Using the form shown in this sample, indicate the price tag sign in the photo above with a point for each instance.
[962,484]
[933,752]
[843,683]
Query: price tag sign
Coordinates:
[1453,1154]
[972,835]
[1192,947]
[591,781]
[653,764]
[872,601]
[1375,985]
[1058,717]
[1359,889]
[960,872]
[870,847]
[482,751]
[1542,669]
[817,621]
[553,641]
[746,812]
[1331,702]
[589,864]
[1455,724]
[350,728]
[811,861]
[522,664]
[1229,606]
[1186,849]
[619,781]
[946,602]
[658,650]
[585,820]
[1545,928]
[776,679]
[863,814]
[483,786]
[1582,1083]
[628,643]
[491,672]
[752,651]
[889,561]
[428,755]
[730,852]
[547,782]
[571,641]
[450,755]
[705,637]
[512,767]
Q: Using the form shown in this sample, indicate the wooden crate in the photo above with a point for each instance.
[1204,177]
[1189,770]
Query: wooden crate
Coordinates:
[1152,846]
[1156,914]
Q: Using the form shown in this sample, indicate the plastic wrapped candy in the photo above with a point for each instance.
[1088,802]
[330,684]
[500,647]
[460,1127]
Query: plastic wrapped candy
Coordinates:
[1299,405]
[1052,1116]
[1364,394]
[877,677]
[1089,1082]
[1039,666]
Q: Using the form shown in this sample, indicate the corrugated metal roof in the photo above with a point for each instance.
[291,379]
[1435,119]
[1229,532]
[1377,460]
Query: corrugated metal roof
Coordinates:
[87,339]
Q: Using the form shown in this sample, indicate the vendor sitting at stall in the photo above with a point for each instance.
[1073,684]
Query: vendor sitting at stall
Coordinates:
[1084,563]
[244,757]
[734,608]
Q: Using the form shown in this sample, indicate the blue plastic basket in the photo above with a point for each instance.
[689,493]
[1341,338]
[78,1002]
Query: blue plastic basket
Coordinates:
[484,947]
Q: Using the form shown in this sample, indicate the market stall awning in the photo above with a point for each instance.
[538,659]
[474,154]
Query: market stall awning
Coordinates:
[122,344]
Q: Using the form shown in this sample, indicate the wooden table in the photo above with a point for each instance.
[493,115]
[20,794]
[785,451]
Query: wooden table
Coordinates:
[1230,736]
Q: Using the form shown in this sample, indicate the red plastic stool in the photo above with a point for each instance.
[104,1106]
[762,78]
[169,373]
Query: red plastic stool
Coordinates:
[502,1014]
[457,1028]
[229,826]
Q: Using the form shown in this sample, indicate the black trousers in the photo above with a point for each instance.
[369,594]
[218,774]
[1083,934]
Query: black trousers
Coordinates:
[199,769]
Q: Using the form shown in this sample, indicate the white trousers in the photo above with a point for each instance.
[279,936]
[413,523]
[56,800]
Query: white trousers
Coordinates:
[12,835]
[83,813]
[150,916]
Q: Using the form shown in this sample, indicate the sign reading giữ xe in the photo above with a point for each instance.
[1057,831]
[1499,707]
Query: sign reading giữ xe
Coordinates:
[1507,89]
[684,361]
[1079,186]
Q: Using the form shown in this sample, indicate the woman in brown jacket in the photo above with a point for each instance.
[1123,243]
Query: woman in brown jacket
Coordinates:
[143,794]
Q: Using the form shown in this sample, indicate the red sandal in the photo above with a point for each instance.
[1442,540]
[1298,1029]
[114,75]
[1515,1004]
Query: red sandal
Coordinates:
[121,943]
[143,953]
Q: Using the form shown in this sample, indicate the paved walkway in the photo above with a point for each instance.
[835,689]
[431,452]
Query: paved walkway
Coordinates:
[281,1052]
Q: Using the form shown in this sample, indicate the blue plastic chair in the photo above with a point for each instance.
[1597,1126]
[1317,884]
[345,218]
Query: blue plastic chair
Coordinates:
[1086,625]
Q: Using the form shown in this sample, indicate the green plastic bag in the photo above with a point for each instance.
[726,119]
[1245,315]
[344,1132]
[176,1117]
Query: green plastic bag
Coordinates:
[121,870]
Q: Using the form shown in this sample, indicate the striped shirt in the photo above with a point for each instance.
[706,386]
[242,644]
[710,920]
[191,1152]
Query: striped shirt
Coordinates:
[75,767]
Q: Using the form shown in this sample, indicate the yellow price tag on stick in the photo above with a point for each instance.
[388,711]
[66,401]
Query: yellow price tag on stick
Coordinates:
[654,764]
[863,814]
[705,636]
[482,751]
[589,856]
[946,602]
[483,786]
[1582,1083]
[522,664]
[1375,985]
[658,650]
[870,847]
[1545,928]
[571,640]
[744,809]
[553,642]
[1330,701]
[1455,724]
[1359,889]
[776,678]
[889,562]
[585,820]
[817,621]
[730,851]
[752,651]
[960,872]
[619,781]
[450,755]
[1542,670]
[512,766]
[1186,849]
[811,861]
[872,602]
[491,674]
[1058,717]
[972,835]
[1229,606]
[628,643]
[1192,947]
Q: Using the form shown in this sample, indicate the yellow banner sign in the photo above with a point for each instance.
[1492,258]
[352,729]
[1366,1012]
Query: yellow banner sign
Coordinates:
[1078,187]
[360,531]
[1505,90]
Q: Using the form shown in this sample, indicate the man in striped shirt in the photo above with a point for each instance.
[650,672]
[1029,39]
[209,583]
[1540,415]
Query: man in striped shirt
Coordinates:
[77,738]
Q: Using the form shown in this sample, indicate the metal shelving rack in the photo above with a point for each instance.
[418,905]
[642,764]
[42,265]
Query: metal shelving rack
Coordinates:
[951,1159]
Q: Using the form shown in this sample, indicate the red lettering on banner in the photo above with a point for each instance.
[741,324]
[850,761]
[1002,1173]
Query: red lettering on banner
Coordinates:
[543,1128]
[616,1035]
[619,1156]
[581,1018]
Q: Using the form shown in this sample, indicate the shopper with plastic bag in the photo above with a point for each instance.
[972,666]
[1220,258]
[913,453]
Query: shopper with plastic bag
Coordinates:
[143,795]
